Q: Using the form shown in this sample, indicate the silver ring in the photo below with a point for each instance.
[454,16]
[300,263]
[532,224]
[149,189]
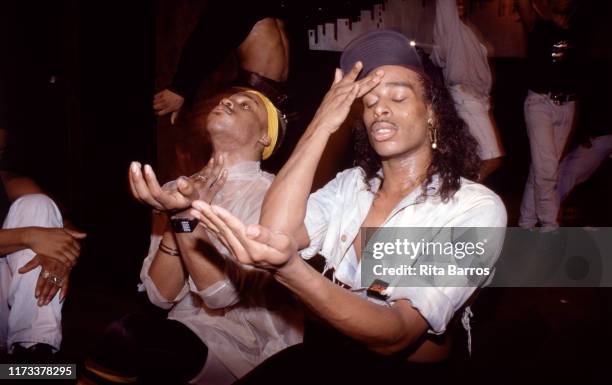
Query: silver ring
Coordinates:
[46,274]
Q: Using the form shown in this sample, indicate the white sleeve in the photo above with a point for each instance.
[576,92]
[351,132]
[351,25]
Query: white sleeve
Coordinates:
[318,215]
[152,292]
[438,304]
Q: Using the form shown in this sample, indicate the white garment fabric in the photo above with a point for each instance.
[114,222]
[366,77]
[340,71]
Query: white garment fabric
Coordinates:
[335,213]
[21,319]
[474,111]
[578,166]
[245,318]
[548,127]
[459,52]
[464,62]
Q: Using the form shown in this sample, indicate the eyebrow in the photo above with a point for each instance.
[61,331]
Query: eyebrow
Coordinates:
[400,84]
[246,94]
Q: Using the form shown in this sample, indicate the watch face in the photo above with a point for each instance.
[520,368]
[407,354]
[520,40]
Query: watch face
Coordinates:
[184,225]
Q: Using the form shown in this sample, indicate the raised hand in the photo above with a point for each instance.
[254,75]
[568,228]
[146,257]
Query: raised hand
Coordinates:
[253,244]
[176,197]
[336,104]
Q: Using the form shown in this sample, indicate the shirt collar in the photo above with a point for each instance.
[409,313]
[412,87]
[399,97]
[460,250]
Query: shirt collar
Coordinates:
[248,169]
[430,190]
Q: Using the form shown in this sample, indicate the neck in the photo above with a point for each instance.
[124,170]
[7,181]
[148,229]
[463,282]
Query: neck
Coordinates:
[402,174]
[234,156]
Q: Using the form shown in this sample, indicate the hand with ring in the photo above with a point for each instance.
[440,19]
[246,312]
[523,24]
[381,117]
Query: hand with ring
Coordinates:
[53,277]
[204,185]
[211,178]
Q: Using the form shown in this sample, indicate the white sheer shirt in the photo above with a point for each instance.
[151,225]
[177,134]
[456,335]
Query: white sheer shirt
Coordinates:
[246,317]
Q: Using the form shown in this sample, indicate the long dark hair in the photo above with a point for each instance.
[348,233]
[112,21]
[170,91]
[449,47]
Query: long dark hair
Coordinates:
[456,154]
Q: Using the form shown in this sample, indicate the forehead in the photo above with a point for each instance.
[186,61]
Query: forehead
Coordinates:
[395,74]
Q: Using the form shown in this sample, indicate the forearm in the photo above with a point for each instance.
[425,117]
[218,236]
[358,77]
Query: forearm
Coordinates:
[12,240]
[167,271]
[203,264]
[383,329]
[284,206]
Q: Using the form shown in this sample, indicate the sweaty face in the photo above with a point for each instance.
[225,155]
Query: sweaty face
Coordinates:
[395,114]
[241,115]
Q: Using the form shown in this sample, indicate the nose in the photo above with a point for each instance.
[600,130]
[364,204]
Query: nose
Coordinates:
[227,103]
[381,109]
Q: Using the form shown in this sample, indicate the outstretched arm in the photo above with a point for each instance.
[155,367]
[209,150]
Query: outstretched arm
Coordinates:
[284,206]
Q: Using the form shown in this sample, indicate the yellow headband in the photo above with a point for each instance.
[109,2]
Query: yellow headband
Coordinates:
[272,123]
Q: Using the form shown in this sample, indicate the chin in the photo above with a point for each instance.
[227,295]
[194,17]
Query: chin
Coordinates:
[218,123]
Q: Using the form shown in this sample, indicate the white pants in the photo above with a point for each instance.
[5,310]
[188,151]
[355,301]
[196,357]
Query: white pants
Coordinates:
[475,113]
[548,127]
[578,166]
[21,319]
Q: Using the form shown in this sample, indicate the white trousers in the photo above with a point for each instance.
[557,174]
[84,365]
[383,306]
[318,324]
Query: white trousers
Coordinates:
[578,166]
[21,319]
[475,113]
[548,128]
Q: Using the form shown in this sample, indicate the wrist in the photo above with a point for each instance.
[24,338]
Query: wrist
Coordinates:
[289,270]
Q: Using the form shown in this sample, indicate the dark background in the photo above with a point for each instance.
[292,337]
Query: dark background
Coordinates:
[77,134]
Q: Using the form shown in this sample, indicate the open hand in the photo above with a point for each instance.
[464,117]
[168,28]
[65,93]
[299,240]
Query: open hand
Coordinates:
[336,104]
[203,185]
[253,244]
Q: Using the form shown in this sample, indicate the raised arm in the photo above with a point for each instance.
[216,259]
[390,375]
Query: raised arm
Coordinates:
[284,207]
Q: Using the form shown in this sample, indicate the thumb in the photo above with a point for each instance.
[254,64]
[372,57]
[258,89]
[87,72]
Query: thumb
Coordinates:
[75,234]
[31,265]
[337,76]
[185,187]
[173,117]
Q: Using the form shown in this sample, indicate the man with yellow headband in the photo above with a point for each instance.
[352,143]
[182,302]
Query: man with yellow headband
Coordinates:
[220,325]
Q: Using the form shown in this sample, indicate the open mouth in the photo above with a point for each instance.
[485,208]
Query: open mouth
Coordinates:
[382,131]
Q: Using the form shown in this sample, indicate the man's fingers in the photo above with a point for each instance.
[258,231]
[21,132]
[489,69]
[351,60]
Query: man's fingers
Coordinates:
[199,211]
[142,189]
[186,187]
[30,265]
[75,234]
[152,183]
[353,73]
[52,291]
[131,172]
[174,116]
[64,289]
[44,291]
[351,96]
[337,76]
[275,240]
[369,82]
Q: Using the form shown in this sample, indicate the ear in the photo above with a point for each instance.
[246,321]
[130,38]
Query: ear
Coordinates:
[431,118]
[264,140]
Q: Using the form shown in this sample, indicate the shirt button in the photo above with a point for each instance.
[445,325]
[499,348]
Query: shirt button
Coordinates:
[343,238]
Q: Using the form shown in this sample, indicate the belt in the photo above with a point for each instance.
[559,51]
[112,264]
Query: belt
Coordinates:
[559,98]
[274,90]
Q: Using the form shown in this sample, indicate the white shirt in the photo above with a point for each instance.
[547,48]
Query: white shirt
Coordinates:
[335,213]
[459,52]
[247,317]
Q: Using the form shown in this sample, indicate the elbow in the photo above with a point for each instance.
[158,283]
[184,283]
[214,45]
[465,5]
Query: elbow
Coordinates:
[392,347]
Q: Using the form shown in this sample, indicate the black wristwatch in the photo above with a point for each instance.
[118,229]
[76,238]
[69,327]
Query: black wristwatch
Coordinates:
[183,225]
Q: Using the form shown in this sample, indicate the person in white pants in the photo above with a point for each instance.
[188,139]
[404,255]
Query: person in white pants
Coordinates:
[464,62]
[36,256]
[549,107]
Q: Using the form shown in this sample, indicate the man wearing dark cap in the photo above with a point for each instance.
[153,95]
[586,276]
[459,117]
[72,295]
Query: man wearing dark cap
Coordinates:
[414,161]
